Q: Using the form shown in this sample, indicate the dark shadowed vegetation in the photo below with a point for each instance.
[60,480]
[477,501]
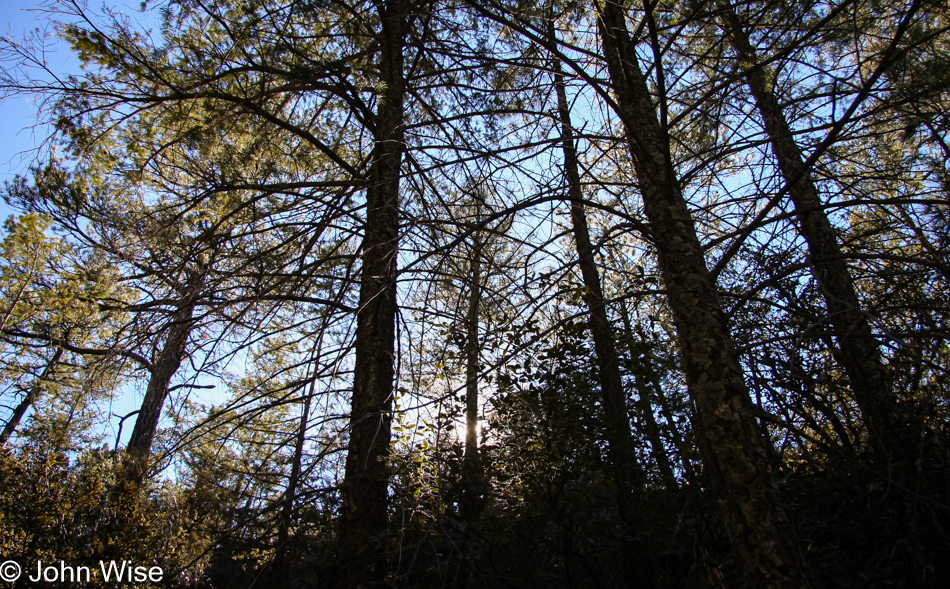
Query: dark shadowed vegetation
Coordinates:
[411,293]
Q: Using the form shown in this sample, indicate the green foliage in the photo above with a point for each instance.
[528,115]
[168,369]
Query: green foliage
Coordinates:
[64,506]
[236,140]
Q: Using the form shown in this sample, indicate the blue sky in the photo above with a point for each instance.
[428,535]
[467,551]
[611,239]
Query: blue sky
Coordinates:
[18,113]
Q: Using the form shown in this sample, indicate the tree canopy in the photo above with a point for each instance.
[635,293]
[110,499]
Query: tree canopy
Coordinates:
[409,293]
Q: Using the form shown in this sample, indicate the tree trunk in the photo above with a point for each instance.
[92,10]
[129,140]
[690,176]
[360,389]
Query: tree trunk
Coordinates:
[163,369]
[283,552]
[761,534]
[650,378]
[472,467]
[621,448]
[366,478]
[860,354]
[31,397]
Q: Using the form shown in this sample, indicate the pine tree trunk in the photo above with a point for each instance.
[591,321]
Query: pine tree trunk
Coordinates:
[163,369]
[761,534]
[472,467]
[858,347]
[648,383]
[366,479]
[621,447]
[283,553]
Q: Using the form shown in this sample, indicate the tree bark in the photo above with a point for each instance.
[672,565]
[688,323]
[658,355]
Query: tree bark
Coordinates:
[366,477]
[761,534]
[163,369]
[859,351]
[621,447]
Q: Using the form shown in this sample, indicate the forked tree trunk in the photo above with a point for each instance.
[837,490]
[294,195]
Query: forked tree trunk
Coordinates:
[621,447]
[162,370]
[366,479]
[762,537]
[859,352]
